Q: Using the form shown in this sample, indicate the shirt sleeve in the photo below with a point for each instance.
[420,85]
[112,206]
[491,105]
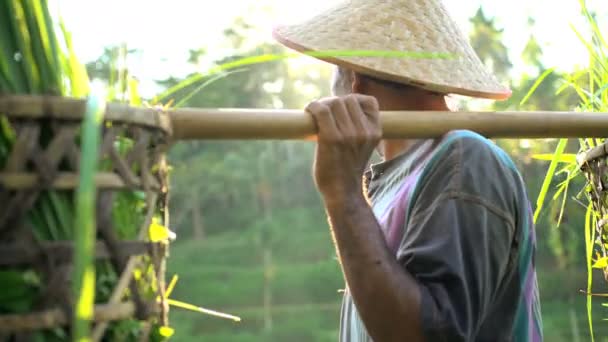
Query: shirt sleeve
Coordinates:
[457,245]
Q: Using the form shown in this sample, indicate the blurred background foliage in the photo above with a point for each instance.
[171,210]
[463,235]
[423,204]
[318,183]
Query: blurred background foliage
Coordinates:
[253,238]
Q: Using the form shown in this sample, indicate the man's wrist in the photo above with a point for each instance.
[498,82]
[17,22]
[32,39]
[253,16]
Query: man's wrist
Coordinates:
[344,199]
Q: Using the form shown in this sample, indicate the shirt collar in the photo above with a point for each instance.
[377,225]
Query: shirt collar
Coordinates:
[377,170]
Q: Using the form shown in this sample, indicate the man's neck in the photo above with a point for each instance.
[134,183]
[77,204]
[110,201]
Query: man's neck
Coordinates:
[418,100]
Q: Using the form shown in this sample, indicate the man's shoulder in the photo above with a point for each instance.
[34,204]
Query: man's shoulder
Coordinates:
[465,162]
[473,155]
[472,149]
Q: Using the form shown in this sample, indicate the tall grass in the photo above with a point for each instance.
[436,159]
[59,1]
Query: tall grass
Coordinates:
[84,235]
[591,85]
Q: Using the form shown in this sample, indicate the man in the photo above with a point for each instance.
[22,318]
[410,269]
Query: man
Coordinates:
[436,243]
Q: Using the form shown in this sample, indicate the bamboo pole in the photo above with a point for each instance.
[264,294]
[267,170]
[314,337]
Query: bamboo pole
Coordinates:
[246,124]
[214,124]
[56,317]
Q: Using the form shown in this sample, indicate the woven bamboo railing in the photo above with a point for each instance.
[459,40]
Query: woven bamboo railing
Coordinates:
[44,156]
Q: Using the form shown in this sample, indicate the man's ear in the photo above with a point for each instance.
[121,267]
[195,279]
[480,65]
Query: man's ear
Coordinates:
[358,83]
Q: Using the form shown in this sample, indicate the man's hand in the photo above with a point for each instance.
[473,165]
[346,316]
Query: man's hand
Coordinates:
[348,132]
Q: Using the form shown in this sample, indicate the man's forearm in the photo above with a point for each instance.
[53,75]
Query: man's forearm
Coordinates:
[386,296]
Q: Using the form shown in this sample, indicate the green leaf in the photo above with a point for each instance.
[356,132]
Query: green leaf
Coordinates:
[37,48]
[63,211]
[14,79]
[48,41]
[166,331]
[538,82]
[23,43]
[561,146]
[18,294]
[134,97]
[205,85]
[190,307]
[563,206]
[50,224]
[563,158]
[159,233]
[601,263]
[589,238]
[77,71]
[84,267]
[594,26]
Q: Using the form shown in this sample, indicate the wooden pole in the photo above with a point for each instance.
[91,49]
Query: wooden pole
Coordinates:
[56,317]
[264,124]
[214,124]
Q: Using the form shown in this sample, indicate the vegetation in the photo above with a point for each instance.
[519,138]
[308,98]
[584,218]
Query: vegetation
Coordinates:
[36,59]
[591,86]
[253,238]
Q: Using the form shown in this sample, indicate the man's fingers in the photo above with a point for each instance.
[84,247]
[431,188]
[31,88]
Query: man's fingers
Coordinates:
[370,106]
[352,116]
[357,115]
[341,116]
[326,125]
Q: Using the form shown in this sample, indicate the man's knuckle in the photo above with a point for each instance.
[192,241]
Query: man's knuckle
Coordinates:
[353,102]
[329,100]
[337,103]
[373,117]
[372,102]
[310,107]
[324,110]
[351,98]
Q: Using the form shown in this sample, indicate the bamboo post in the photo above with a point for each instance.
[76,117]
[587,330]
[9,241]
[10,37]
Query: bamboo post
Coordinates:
[195,124]
[56,317]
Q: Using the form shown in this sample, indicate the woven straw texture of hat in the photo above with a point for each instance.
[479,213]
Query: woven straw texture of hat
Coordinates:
[421,26]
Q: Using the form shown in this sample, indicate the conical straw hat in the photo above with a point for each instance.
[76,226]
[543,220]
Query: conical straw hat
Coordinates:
[417,26]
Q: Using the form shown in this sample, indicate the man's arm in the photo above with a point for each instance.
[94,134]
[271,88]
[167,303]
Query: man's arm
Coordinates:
[386,297]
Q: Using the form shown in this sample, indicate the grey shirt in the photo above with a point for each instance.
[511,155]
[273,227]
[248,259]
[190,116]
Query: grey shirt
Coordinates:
[455,214]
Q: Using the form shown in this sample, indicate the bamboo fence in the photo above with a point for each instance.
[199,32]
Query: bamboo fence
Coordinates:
[45,157]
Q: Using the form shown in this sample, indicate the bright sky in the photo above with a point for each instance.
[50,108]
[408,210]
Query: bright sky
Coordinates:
[165,30]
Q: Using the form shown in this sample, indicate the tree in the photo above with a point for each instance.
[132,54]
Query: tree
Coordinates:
[486,39]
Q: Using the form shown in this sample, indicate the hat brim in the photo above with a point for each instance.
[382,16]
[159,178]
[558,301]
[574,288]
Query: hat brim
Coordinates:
[412,38]
[444,89]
